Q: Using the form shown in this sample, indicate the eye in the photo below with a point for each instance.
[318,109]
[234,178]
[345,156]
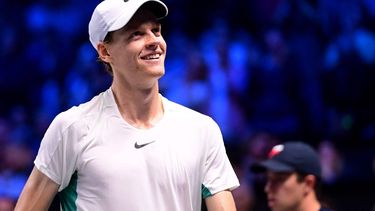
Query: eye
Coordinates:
[135,34]
[157,30]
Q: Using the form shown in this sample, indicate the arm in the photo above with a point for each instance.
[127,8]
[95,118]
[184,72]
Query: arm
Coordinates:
[221,201]
[38,192]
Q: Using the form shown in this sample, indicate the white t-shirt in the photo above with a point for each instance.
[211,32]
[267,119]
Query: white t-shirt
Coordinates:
[103,163]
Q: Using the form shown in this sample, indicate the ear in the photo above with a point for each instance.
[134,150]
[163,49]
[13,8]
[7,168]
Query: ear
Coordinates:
[310,181]
[103,52]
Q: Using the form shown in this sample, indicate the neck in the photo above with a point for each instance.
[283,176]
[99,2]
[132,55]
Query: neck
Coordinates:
[310,203]
[141,108]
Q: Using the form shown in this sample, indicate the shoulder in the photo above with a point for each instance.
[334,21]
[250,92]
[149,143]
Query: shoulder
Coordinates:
[184,113]
[78,115]
[189,119]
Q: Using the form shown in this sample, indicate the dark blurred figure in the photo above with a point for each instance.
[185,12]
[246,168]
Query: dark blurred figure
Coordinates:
[331,160]
[6,204]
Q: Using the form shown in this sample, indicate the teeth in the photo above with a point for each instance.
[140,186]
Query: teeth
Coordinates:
[153,56]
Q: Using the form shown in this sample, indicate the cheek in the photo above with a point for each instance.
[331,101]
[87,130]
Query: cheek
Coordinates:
[163,44]
[125,56]
[286,190]
[292,193]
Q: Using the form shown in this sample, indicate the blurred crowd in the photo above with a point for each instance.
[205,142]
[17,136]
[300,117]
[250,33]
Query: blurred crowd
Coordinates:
[267,71]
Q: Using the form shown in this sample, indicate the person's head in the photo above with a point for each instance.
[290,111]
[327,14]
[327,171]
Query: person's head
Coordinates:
[293,175]
[127,36]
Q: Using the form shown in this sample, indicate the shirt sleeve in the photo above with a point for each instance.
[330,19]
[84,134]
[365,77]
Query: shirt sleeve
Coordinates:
[56,157]
[219,173]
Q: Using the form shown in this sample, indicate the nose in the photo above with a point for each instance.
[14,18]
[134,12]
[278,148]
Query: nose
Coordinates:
[152,41]
[267,187]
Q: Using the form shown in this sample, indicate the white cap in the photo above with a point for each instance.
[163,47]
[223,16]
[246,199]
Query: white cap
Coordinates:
[111,15]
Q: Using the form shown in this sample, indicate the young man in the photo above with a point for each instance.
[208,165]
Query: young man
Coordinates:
[293,177]
[130,148]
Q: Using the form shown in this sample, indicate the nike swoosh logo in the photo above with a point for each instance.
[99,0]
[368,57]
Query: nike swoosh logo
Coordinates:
[138,146]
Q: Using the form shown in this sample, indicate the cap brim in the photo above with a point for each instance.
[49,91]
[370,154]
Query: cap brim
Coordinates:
[158,8]
[271,165]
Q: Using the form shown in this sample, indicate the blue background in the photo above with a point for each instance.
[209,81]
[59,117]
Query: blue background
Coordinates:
[267,71]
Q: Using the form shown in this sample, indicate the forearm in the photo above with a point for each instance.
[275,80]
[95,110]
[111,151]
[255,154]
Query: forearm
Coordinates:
[37,194]
[222,201]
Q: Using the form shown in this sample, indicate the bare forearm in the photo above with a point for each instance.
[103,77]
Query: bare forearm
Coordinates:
[222,201]
[37,194]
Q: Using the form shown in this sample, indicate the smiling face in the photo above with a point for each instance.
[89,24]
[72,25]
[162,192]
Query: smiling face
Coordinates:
[136,52]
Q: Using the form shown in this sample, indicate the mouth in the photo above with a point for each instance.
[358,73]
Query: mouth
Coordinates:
[154,56]
[271,202]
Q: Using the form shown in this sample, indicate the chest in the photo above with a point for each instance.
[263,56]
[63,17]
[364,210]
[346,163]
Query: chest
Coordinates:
[124,157]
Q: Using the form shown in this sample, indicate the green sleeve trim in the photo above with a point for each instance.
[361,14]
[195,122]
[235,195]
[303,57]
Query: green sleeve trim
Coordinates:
[205,192]
[68,196]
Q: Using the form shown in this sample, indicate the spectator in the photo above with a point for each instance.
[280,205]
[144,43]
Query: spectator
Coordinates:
[293,177]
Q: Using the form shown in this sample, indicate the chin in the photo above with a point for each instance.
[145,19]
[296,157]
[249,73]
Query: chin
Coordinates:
[157,73]
[158,70]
